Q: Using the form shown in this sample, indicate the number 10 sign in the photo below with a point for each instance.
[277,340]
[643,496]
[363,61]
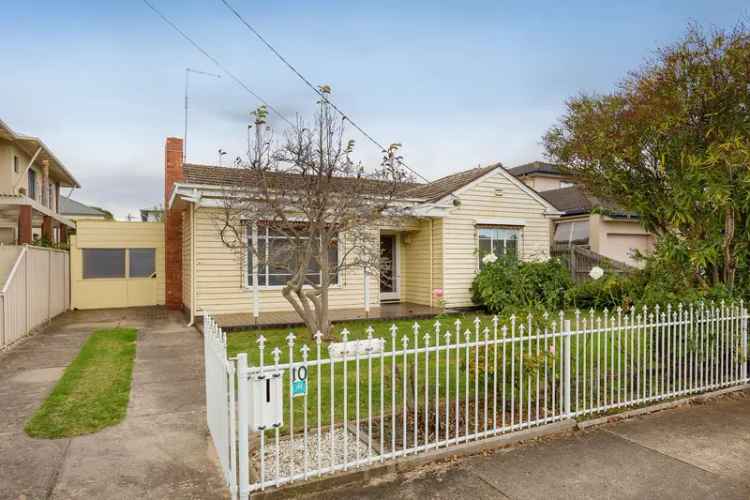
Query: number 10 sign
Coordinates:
[299,381]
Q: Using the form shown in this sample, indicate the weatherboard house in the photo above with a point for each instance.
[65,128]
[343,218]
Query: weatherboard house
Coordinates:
[456,219]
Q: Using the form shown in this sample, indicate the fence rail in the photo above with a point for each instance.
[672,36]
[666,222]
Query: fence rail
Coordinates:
[378,399]
[36,290]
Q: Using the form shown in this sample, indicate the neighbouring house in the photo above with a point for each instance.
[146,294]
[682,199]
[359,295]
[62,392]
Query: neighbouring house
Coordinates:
[454,220]
[76,211]
[34,281]
[599,226]
[31,177]
[152,214]
[542,176]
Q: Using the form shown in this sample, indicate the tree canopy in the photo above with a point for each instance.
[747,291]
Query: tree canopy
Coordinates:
[672,142]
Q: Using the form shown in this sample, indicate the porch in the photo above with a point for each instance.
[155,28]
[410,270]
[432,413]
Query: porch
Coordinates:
[285,319]
[23,220]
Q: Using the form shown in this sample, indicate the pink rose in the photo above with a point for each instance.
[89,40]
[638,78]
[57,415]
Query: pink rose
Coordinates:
[438,293]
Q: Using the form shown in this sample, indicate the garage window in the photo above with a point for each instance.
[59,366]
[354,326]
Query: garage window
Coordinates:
[142,262]
[103,263]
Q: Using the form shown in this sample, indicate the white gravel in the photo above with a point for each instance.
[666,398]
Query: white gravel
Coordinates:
[291,454]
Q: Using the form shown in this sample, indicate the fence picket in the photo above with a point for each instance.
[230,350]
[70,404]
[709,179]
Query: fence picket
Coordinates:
[543,370]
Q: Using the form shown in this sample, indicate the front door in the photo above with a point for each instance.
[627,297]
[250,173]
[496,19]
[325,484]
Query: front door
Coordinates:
[389,267]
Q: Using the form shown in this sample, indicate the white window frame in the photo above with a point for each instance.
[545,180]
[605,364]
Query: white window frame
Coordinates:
[519,245]
[251,281]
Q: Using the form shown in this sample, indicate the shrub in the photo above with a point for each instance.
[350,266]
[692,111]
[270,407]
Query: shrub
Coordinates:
[510,284]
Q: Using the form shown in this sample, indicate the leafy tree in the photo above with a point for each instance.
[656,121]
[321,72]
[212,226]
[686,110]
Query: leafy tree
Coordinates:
[305,210]
[672,142]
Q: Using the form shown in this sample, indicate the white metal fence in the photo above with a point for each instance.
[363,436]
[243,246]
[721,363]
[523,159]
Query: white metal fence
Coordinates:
[37,289]
[221,408]
[369,399]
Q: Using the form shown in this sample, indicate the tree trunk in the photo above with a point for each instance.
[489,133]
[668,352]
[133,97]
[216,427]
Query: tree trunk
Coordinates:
[730,264]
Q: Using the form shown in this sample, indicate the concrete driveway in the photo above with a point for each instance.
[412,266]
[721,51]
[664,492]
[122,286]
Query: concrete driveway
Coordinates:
[160,450]
[696,452]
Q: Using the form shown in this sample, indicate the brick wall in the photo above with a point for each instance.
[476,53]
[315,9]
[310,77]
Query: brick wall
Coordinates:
[173,224]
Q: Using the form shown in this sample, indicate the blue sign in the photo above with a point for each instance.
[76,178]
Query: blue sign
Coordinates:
[299,388]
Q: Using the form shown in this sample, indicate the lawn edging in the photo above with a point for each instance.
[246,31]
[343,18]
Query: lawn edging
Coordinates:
[94,390]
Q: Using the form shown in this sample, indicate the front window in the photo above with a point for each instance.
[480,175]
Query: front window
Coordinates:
[276,254]
[498,240]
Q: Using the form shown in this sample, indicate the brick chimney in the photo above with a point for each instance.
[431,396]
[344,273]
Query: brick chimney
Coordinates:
[172,224]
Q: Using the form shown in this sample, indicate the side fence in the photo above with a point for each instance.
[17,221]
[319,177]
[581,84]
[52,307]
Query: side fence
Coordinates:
[368,399]
[580,261]
[36,290]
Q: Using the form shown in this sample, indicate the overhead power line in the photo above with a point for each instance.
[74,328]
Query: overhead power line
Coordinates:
[313,87]
[216,62]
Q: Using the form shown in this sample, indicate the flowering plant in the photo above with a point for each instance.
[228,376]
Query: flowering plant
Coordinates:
[490,258]
[596,272]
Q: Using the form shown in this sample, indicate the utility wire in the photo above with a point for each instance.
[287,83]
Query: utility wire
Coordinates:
[313,87]
[215,61]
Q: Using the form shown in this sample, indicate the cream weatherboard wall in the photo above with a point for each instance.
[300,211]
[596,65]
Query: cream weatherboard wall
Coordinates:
[421,268]
[96,293]
[492,199]
[220,278]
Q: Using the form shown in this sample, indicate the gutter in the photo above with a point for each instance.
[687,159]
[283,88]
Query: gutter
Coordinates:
[192,266]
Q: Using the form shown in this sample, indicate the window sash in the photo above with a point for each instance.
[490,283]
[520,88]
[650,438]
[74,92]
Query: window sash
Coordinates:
[99,263]
[498,240]
[142,262]
[261,239]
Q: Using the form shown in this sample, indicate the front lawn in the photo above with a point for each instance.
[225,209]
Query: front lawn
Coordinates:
[94,390]
[463,380]
[525,374]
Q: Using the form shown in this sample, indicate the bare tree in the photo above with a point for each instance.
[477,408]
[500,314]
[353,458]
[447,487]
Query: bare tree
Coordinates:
[303,212]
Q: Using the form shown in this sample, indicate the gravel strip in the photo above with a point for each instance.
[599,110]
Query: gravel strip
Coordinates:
[291,459]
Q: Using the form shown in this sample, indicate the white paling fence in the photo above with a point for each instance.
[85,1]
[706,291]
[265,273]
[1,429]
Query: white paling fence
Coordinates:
[307,408]
[221,407]
[36,289]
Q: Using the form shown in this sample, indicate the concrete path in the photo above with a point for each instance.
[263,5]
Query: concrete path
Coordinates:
[160,450]
[698,452]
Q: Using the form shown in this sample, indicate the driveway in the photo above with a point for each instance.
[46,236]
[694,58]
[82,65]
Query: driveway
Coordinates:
[695,452]
[160,450]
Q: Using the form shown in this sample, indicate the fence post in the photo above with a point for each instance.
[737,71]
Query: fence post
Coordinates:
[744,341]
[567,367]
[572,263]
[243,423]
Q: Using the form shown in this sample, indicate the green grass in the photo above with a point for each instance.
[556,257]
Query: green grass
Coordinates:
[247,342]
[94,390]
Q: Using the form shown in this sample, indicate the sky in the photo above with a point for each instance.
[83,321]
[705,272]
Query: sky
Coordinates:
[458,83]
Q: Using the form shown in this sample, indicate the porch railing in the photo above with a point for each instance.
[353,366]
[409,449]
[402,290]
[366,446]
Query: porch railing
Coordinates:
[374,399]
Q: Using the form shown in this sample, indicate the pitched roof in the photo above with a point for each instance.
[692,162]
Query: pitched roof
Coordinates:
[210,175]
[535,167]
[575,201]
[436,190]
[34,146]
[444,186]
[72,207]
